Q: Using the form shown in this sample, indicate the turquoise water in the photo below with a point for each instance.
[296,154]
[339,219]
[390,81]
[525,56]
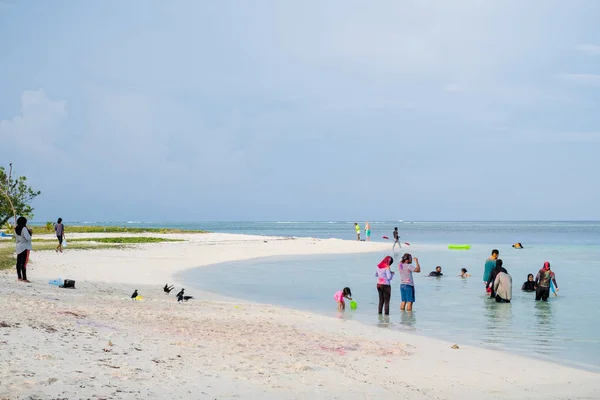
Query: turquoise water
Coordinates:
[529,233]
[564,330]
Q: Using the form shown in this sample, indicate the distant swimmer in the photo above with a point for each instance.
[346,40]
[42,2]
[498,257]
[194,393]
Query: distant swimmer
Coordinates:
[517,246]
[357,230]
[368,231]
[437,272]
[396,239]
[464,273]
[529,285]
[545,277]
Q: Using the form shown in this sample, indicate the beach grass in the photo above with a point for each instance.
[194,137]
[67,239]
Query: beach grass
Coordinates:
[40,230]
[78,246]
[7,260]
[115,240]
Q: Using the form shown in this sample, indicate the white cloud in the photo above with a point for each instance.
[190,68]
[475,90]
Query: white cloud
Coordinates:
[590,79]
[38,125]
[589,49]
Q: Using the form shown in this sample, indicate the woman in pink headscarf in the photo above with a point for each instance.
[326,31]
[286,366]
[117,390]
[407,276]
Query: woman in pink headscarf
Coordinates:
[384,275]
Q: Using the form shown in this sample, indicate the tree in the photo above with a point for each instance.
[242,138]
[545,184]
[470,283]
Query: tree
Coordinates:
[15,196]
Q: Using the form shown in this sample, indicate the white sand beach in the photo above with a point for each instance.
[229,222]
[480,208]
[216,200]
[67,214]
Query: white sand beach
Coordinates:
[94,342]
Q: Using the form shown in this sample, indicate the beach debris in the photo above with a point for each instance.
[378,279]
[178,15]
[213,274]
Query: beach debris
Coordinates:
[110,343]
[74,314]
[4,324]
[455,347]
[134,295]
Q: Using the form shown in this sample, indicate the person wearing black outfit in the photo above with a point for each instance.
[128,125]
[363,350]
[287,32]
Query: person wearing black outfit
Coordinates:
[499,268]
[529,285]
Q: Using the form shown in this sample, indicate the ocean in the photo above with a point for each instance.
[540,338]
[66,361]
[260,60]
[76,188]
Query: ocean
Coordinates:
[563,330]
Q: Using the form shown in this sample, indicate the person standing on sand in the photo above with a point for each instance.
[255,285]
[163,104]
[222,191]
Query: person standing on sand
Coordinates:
[59,228]
[357,231]
[368,231]
[407,284]
[22,248]
[545,277]
[490,264]
[384,276]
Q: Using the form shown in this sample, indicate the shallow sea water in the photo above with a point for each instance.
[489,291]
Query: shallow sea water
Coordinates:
[564,329]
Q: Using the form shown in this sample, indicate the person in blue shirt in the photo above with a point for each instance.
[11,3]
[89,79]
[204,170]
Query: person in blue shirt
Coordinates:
[490,264]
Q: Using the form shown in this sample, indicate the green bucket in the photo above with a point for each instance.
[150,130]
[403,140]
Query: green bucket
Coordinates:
[352,305]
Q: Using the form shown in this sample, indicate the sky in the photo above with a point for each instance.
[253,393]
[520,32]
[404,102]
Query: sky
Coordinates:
[150,110]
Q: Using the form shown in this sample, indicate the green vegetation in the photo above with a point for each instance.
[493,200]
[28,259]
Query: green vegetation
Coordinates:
[112,229]
[78,246]
[6,255]
[15,197]
[115,240]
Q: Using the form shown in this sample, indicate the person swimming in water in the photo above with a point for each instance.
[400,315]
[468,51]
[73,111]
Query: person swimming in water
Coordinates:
[437,272]
[517,246]
[529,285]
[464,273]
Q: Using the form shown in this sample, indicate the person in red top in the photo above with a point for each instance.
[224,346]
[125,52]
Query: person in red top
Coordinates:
[542,281]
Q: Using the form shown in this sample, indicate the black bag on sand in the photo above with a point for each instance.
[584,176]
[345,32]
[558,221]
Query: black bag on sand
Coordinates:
[68,284]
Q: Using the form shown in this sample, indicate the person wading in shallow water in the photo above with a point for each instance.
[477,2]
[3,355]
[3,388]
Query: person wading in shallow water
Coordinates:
[543,280]
[384,276]
[490,264]
[407,284]
[22,247]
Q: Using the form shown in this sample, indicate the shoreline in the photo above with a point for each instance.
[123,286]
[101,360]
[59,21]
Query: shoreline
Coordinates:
[210,348]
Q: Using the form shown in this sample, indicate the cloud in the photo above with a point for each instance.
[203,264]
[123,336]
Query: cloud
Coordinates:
[37,127]
[589,49]
[589,79]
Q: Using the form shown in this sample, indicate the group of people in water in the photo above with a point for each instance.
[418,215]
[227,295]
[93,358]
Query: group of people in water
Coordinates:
[497,281]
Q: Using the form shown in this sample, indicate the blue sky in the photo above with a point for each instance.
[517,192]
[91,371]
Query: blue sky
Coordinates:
[272,110]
